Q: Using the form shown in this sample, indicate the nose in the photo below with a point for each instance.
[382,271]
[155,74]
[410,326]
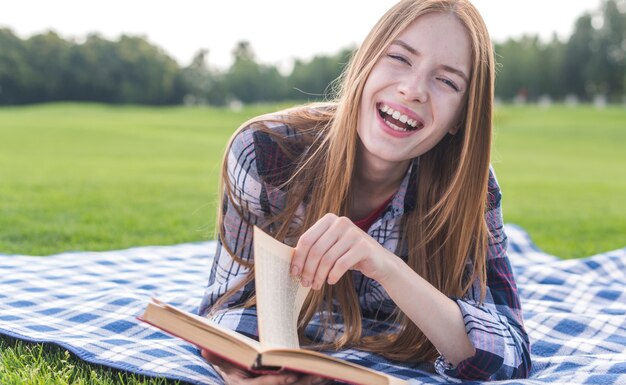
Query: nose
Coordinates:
[413,88]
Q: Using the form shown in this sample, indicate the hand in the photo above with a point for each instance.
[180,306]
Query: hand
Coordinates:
[334,245]
[234,375]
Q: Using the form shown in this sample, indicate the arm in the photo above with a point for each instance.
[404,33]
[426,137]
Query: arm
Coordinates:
[477,341]
[335,245]
[251,207]
[495,327]
[255,164]
[226,272]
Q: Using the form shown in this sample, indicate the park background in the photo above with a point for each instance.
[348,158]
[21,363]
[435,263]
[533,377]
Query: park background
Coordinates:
[108,143]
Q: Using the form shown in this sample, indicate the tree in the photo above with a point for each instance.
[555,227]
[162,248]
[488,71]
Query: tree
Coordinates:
[47,56]
[577,58]
[203,83]
[96,66]
[313,79]
[14,69]
[519,64]
[549,69]
[248,81]
[610,61]
[130,70]
[147,74]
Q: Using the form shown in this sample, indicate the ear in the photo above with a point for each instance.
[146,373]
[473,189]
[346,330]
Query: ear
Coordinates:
[455,128]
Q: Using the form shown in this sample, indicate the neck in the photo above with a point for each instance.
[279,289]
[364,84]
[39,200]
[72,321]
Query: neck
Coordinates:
[377,175]
[373,183]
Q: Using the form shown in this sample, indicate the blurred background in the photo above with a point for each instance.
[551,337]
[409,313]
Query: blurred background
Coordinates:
[114,116]
[197,53]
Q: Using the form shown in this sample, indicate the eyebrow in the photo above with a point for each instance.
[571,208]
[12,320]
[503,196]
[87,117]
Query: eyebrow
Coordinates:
[417,53]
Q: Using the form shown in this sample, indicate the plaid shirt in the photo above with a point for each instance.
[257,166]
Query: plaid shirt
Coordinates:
[494,327]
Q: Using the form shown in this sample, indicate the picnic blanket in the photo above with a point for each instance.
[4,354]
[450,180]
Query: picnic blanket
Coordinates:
[87,302]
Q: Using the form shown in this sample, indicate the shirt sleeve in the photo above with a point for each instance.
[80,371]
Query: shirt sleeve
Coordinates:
[495,327]
[239,216]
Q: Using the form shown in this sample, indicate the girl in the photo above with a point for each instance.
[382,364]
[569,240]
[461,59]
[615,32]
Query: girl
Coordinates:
[388,197]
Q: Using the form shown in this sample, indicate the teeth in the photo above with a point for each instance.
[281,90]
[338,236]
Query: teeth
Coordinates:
[398,116]
[394,127]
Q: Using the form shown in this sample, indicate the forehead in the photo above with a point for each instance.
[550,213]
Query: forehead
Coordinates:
[442,37]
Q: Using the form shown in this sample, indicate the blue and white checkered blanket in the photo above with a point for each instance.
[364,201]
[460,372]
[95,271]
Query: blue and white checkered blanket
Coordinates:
[575,311]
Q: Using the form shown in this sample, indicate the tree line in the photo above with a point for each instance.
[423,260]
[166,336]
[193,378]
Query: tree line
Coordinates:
[46,67]
[591,62]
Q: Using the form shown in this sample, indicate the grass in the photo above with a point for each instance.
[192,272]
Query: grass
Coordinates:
[95,177]
[39,364]
[563,173]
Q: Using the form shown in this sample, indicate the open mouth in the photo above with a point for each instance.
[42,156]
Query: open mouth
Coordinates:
[396,120]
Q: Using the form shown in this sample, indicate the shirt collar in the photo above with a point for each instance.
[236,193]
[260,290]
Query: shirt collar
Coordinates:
[404,200]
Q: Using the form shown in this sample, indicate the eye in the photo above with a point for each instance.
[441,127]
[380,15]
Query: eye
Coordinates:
[399,58]
[450,84]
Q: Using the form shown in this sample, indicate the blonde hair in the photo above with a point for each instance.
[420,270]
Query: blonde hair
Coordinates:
[445,230]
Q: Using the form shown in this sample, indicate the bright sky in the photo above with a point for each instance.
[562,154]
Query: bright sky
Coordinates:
[278,30]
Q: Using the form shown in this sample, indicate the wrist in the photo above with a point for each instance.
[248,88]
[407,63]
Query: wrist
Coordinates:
[392,271]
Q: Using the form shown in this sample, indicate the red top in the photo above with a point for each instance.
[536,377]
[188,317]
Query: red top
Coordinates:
[365,223]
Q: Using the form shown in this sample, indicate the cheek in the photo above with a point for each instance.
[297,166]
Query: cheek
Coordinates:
[457,120]
[376,79]
[367,92]
[450,110]
[460,115]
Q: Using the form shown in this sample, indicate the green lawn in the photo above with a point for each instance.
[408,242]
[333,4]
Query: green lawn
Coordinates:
[563,173]
[95,177]
[46,364]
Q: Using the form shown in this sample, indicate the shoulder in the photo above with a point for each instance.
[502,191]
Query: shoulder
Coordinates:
[494,194]
[271,147]
[278,128]
[266,148]
[259,135]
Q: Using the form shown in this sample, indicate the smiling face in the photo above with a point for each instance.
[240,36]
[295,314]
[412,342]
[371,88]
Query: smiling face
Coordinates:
[415,93]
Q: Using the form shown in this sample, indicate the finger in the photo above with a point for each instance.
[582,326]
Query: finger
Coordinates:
[320,253]
[225,368]
[306,242]
[328,261]
[234,374]
[212,358]
[349,259]
[317,254]
[287,378]
[312,380]
[348,236]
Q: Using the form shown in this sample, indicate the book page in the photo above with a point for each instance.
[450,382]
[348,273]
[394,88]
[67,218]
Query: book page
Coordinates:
[206,324]
[200,331]
[279,295]
[244,352]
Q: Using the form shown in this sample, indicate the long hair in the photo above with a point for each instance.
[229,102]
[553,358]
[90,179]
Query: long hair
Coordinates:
[445,232]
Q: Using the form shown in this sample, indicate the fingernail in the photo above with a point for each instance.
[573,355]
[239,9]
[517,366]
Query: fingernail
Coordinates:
[291,379]
[306,283]
[294,270]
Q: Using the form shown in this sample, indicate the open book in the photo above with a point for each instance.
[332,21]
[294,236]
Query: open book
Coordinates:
[279,300]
